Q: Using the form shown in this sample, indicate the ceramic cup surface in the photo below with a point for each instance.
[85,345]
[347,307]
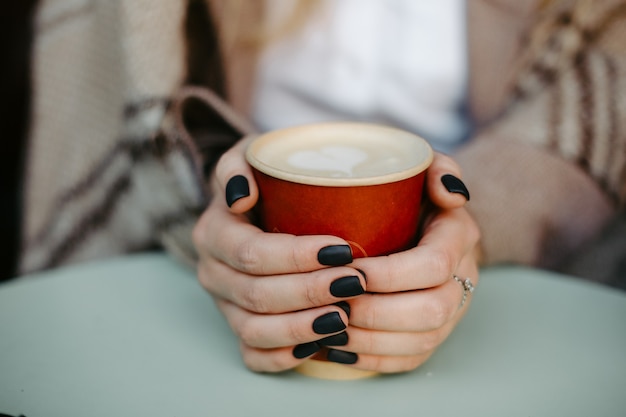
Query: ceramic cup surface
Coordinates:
[359,181]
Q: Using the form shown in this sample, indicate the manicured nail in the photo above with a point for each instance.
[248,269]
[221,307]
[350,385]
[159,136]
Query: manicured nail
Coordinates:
[305,349]
[344,306]
[236,188]
[340,356]
[340,339]
[455,185]
[362,273]
[328,323]
[346,287]
[335,255]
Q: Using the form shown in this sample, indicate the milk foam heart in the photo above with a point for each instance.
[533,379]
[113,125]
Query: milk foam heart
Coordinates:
[342,159]
[339,154]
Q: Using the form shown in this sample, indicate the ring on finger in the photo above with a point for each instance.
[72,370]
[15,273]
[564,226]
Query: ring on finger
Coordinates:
[467,286]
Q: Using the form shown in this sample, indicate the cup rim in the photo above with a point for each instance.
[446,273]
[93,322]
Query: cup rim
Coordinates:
[354,128]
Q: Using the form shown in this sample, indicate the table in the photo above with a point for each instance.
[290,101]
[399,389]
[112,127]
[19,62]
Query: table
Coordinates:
[137,336]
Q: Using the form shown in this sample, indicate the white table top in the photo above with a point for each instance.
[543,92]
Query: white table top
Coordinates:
[137,336]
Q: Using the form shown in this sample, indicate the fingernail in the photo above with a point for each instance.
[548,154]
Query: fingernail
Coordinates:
[346,287]
[344,306]
[340,339]
[335,255]
[236,188]
[340,356]
[455,185]
[362,273]
[328,323]
[305,349]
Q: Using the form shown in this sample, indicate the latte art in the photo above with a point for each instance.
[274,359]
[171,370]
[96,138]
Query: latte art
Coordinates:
[340,154]
[335,161]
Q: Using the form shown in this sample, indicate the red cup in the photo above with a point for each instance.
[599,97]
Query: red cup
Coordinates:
[362,182]
[375,209]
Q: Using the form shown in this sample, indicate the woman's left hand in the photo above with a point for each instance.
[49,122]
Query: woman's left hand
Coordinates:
[413,301]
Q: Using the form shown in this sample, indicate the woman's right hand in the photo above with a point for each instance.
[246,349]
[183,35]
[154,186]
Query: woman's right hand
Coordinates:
[279,293]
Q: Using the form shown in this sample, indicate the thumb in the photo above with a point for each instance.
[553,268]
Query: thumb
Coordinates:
[234,178]
[444,185]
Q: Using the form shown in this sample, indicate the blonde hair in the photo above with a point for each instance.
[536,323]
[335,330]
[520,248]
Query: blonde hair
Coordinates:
[244,23]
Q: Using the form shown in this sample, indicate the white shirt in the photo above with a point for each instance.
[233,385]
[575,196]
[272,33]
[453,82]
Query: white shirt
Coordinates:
[397,62]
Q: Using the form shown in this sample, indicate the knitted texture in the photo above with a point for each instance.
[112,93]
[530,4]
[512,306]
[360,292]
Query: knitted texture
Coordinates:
[547,171]
[570,91]
[110,167]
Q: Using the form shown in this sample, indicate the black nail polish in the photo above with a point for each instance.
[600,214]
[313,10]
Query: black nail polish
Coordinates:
[236,188]
[340,356]
[335,255]
[340,339]
[344,306]
[455,185]
[305,349]
[328,323]
[362,273]
[346,287]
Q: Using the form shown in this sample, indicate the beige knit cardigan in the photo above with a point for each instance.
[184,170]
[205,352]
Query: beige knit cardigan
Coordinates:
[120,148]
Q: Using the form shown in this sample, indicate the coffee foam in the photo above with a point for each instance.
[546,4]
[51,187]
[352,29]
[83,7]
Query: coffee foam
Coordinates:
[340,154]
[334,161]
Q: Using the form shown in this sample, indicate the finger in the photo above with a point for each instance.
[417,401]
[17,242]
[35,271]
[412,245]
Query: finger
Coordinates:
[234,178]
[383,364]
[408,311]
[444,185]
[271,360]
[382,343]
[468,269]
[285,292]
[233,240]
[417,311]
[281,330]
[450,236]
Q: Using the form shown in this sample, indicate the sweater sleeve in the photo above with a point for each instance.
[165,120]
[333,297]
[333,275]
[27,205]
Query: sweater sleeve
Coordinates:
[550,172]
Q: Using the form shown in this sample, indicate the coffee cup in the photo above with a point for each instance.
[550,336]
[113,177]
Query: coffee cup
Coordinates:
[358,181]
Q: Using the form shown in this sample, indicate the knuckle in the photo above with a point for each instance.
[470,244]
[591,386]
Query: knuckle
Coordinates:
[371,319]
[296,255]
[249,358]
[300,254]
[437,313]
[254,297]
[278,363]
[312,294]
[370,343]
[379,363]
[248,332]
[298,333]
[431,341]
[246,257]
[362,314]
[387,271]
[441,263]
[265,362]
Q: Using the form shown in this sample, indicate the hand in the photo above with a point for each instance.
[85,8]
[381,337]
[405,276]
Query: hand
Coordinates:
[276,291]
[413,303]
[277,295]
